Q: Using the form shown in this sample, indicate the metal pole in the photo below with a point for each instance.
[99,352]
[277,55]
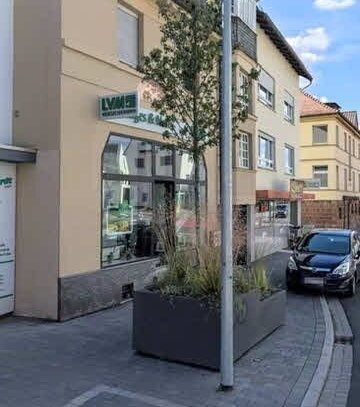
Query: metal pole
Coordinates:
[227,360]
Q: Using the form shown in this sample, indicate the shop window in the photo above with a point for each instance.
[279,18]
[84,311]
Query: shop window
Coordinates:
[136,197]
[127,217]
[164,161]
[340,213]
[266,157]
[126,156]
[128,36]
[185,167]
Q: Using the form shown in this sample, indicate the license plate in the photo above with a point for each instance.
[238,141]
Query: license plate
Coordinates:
[314,281]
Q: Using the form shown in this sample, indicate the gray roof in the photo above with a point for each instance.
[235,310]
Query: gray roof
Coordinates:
[352,117]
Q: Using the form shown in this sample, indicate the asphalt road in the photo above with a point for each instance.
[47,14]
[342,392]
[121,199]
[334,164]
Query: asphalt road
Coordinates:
[352,309]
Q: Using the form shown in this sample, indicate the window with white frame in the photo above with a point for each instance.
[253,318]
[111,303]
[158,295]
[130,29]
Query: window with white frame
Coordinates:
[266,89]
[266,151]
[320,172]
[128,36]
[244,150]
[289,107]
[289,160]
[245,90]
[320,134]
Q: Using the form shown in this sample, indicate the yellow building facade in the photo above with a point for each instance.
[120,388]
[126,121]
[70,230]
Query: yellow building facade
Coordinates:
[330,157]
[85,209]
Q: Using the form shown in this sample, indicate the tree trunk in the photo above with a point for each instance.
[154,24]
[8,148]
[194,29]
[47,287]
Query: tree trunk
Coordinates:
[197,201]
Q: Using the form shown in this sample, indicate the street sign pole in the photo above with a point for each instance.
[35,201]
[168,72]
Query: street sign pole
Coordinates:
[227,361]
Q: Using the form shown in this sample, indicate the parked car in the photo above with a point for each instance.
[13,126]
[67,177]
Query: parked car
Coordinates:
[326,259]
[282,211]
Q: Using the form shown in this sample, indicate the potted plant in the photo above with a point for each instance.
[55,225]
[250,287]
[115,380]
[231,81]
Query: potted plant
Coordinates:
[177,317]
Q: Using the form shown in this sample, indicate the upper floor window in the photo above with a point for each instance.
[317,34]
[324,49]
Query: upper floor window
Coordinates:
[320,134]
[289,107]
[128,36]
[266,154]
[289,160]
[245,90]
[246,11]
[244,150]
[320,172]
[266,89]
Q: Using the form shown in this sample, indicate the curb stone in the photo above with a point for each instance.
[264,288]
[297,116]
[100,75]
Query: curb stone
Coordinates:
[337,387]
[343,332]
[317,384]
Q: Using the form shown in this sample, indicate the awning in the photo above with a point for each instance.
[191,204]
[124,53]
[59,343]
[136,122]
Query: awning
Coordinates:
[270,194]
[12,154]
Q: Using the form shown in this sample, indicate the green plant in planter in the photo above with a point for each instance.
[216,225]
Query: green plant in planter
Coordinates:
[203,280]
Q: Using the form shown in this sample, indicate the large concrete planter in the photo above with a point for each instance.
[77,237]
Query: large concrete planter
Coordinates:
[187,330]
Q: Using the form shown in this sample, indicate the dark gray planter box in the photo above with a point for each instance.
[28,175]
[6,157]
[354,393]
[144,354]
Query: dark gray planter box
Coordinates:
[187,330]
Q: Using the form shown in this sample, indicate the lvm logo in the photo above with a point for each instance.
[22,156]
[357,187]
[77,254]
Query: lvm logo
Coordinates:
[6,182]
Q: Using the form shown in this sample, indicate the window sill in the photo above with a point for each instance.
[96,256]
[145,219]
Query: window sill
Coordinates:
[267,169]
[266,104]
[290,121]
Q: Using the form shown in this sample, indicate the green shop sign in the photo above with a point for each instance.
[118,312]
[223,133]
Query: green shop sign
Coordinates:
[6,182]
[150,118]
[118,106]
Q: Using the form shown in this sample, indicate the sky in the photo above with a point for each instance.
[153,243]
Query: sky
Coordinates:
[326,35]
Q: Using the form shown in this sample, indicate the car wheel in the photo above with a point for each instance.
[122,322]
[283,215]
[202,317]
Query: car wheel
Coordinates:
[291,286]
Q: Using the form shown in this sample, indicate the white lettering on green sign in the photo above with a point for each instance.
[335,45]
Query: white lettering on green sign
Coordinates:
[119,106]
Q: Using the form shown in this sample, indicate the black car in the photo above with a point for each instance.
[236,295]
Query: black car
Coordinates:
[326,259]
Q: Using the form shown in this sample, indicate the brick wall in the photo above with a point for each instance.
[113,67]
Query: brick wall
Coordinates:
[331,214]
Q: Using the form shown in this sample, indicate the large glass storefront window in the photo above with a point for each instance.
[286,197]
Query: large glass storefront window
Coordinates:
[271,227]
[139,179]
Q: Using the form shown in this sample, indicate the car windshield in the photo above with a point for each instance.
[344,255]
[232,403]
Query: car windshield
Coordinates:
[325,243]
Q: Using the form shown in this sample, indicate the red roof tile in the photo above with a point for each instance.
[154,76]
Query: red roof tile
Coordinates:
[311,106]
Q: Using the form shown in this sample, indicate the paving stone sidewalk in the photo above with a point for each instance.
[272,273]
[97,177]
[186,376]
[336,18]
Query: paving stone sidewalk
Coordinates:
[88,362]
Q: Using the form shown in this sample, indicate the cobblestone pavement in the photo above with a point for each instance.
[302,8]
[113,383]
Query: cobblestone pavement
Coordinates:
[89,362]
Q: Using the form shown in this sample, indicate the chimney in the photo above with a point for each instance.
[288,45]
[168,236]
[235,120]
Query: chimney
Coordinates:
[333,105]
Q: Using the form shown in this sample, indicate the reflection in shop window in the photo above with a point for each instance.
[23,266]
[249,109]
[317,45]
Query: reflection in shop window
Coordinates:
[126,156]
[185,213]
[185,167]
[127,217]
[163,161]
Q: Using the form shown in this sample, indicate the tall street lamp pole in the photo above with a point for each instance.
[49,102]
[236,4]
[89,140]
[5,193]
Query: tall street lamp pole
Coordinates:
[227,359]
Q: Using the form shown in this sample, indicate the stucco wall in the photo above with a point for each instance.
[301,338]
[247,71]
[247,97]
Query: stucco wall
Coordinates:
[37,123]
[272,121]
[90,68]
[331,154]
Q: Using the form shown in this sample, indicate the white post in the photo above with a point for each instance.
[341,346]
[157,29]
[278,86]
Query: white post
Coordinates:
[227,358]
